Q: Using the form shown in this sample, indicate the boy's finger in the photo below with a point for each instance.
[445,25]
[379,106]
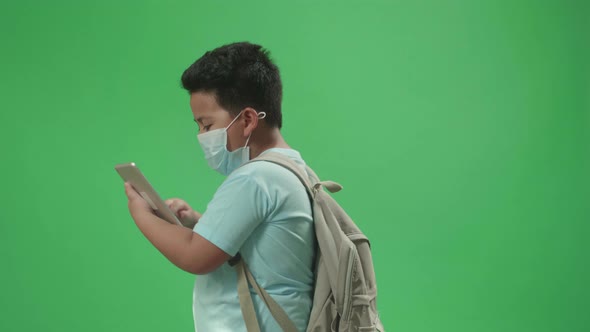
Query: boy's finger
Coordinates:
[174,206]
[131,193]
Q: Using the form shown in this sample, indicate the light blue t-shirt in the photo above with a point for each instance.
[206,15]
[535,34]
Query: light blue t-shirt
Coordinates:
[261,210]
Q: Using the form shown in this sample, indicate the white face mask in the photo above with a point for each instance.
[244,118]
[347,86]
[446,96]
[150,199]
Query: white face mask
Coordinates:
[214,144]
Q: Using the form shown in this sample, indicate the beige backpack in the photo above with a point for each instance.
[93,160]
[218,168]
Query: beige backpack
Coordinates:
[345,289]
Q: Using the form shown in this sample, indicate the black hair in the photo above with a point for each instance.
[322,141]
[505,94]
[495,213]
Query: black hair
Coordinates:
[240,75]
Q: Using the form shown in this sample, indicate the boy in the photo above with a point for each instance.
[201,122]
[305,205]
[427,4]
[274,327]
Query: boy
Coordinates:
[261,210]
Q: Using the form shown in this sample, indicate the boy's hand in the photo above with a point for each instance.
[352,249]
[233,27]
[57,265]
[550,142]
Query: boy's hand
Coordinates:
[136,203]
[187,216]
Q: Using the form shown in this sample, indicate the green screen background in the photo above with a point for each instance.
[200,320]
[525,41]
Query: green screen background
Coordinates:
[459,130]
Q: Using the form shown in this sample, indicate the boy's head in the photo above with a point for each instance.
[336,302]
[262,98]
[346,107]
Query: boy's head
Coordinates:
[237,77]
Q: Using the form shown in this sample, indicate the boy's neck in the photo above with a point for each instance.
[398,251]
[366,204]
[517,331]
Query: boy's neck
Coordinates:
[272,139]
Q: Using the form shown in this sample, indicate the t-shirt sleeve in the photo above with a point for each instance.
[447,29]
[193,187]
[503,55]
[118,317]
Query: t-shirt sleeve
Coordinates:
[240,204]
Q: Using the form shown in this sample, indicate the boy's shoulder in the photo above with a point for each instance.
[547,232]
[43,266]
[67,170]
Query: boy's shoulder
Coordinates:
[266,171]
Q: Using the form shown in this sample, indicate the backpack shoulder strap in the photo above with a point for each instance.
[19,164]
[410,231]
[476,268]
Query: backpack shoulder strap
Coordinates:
[245,277]
[247,306]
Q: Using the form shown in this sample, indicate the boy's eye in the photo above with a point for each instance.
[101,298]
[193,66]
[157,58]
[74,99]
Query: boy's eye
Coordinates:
[204,128]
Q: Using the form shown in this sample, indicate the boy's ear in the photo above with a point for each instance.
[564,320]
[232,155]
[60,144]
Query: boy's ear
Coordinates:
[251,118]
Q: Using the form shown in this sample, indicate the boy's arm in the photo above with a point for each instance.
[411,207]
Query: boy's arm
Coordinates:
[180,245]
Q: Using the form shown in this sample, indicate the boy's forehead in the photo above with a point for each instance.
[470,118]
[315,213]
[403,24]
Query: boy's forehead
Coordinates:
[202,101]
[205,104]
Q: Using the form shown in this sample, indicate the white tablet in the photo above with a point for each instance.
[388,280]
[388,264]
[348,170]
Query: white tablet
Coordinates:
[130,173]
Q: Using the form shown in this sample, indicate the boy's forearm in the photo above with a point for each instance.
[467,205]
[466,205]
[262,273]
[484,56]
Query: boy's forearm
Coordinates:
[173,241]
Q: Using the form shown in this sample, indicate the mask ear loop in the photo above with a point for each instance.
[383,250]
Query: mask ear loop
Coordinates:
[261,115]
[234,120]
